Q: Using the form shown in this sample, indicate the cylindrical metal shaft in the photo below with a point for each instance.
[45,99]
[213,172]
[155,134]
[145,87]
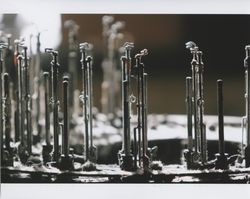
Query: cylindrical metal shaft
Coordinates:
[135,148]
[90,95]
[27,101]
[55,108]
[47,109]
[1,98]
[20,100]
[16,93]
[7,111]
[220,116]
[126,72]
[202,130]
[198,101]
[141,107]
[194,105]
[55,101]
[189,111]
[145,83]
[66,117]
[143,110]
[139,103]
[126,119]
[85,96]
[2,46]
[247,65]
[86,118]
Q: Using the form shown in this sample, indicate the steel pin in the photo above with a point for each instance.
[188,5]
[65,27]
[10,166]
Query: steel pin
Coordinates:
[7,111]
[65,135]
[55,102]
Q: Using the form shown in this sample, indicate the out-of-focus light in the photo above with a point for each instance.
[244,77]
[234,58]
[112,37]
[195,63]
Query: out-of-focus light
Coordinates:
[48,24]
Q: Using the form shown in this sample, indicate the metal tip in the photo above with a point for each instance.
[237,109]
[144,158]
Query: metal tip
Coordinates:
[51,51]
[84,46]
[66,78]
[144,51]
[128,45]
[45,73]
[247,47]
[48,49]
[191,45]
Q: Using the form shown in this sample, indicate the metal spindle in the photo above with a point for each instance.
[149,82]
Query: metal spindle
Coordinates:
[66,117]
[54,99]
[47,109]
[7,111]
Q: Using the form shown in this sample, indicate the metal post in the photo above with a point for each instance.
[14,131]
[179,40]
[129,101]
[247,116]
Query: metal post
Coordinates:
[85,97]
[141,109]
[54,99]
[27,101]
[47,109]
[220,116]
[20,100]
[65,135]
[7,111]
[2,46]
[189,112]
[247,95]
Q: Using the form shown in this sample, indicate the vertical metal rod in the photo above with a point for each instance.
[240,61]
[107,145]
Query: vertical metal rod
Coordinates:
[1,97]
[142,110]
[86,116]
[126,119]
[90,95]
[194,100]
[55,108]
[189,112]
[135,148]
[7,111]
[141,106]
[247,95]
[27,101]
[20,100]
[55,101]
[85,96]
[202,129]
[220,116]
[146,112]
[2,46]
[126,72]
[198,101]
[139,146]
[16,90]
[66,117]
[47,109]
[12,109]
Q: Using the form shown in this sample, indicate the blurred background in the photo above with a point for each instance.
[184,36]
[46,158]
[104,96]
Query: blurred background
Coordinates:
[222,38]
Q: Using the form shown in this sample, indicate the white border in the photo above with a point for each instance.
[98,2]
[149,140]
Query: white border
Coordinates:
[120,191]
[124,191]
[127,6]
